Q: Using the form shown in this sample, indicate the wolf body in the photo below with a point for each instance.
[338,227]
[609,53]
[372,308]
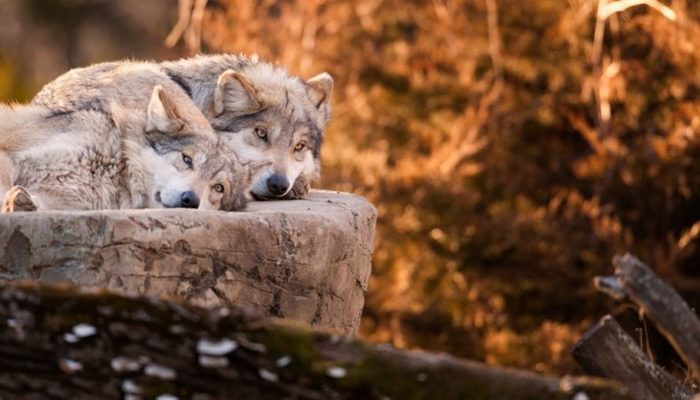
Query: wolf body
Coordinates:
[274,122]
[155,150]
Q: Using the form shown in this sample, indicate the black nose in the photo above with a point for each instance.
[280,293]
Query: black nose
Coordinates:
[277,184]
[189,199]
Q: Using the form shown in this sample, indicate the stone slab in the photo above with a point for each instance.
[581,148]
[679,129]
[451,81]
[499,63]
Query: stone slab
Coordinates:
[308,260]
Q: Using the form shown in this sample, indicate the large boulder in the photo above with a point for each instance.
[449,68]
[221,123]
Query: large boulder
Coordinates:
[307,260]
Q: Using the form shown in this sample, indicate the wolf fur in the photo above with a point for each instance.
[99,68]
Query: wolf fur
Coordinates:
[160,153]
[274,122]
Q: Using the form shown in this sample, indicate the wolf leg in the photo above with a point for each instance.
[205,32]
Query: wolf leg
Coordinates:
[18,199]
[300,189]
[6,170]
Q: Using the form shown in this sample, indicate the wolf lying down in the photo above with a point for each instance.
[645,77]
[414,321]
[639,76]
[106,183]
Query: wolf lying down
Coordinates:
[272,121]
[156,151]
[205,132]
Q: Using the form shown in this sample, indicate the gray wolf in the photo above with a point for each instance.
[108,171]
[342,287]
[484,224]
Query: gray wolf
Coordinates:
[272,121]
[163,155]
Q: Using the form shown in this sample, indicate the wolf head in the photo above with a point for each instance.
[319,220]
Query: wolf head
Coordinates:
[274,122]
[190,166]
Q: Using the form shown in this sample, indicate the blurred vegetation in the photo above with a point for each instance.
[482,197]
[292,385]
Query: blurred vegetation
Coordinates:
[508,156]
[41,39]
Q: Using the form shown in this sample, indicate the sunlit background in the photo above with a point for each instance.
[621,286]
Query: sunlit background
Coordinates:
[511,147]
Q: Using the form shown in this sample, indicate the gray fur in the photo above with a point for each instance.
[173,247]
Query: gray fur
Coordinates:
[125,152]
[262,95]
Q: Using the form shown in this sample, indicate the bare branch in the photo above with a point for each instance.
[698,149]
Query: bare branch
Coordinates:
[607,350]
[183,20]
[188,25]
[622,5]
[494,38]
[664,306]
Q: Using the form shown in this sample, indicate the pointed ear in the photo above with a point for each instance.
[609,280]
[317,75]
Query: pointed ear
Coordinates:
[320,88]
[235,93]
[163,114]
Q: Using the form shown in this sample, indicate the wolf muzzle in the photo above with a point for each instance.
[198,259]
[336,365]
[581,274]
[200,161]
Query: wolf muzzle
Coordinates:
[277,184]
[189,199]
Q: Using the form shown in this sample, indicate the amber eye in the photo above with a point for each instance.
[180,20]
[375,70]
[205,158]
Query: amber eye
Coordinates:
[187,160]
[219,188]
[261,133]
[300,146]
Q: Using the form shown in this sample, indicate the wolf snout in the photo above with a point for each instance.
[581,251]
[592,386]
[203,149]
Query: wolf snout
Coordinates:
[189,199]
[277,184]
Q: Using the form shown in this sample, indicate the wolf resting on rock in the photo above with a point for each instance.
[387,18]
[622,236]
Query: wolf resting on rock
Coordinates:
[272,121]
[155,150]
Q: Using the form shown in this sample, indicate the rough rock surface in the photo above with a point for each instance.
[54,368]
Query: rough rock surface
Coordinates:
[308,260]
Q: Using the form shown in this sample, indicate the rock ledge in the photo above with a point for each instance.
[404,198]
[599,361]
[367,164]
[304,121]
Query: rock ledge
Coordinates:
[308,260]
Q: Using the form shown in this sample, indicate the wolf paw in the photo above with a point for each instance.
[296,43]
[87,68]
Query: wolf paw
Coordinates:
[18,199]
[300,189]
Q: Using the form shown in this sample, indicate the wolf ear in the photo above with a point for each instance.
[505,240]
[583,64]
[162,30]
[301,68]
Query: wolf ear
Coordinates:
[163,115]
[320,88]
[235,93]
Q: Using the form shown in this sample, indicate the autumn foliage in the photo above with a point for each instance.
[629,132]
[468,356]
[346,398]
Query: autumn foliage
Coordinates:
[481,131]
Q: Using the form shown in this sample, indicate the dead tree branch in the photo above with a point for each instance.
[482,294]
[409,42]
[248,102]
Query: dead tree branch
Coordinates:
[664,307]
[188,25]
[607,350]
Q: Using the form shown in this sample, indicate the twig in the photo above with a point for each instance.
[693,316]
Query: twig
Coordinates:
[622,5]
[494,39]
[188,25]
[606,9]
[183,20]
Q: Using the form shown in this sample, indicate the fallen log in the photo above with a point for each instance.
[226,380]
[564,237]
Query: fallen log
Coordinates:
[607,350]
[63,343]
[660,303]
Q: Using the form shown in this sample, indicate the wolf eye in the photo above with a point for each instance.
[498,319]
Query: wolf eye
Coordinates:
[219,188]
[187,160]
[300,146]
[261,133]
